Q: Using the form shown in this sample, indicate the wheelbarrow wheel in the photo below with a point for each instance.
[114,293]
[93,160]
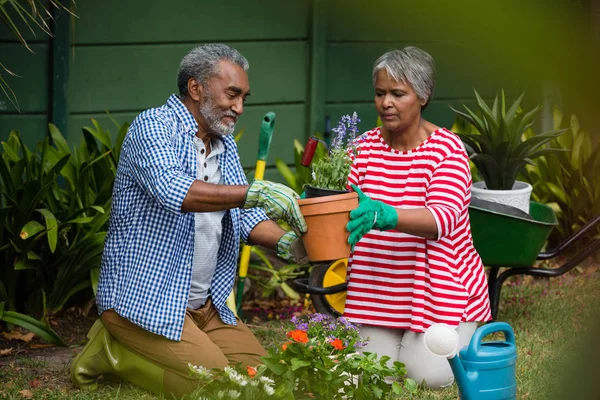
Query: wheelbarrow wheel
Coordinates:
[325,275]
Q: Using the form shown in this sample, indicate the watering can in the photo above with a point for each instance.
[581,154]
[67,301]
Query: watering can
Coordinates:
[482,370]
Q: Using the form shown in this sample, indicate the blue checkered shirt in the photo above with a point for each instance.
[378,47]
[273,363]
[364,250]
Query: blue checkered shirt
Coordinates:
[147,262]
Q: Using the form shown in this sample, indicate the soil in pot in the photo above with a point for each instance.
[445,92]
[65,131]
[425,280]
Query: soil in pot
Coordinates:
[312,192]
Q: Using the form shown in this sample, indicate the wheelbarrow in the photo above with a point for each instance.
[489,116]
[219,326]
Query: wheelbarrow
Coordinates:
[504,237]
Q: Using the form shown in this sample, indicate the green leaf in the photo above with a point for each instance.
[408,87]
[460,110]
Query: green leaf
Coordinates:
[274,365]
[24,264]
[524,149]
[298,363]
[488,116]
[556,117]
[10,153]
[514,108]
[287,173]
[558,192]
[289,292]
[59,140]
[77,288]
[30,229]
[51,227]
[81,220]
[95,278]
[410,385]
[526,120]
[32,255]
[33,325]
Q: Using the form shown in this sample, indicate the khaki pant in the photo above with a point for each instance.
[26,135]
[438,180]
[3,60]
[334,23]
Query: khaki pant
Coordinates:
[205,341]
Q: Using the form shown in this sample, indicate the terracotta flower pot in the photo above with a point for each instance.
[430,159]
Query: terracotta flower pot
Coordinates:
[326,217]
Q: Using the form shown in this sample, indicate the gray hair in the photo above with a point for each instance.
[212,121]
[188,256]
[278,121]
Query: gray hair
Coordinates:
[201,63]
[409,65]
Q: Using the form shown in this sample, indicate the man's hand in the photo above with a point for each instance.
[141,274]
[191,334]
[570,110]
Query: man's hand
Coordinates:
[278,201]
[370,214]
[291,248]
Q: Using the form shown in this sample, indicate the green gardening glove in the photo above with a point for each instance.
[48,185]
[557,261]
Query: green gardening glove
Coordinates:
[291,248]
[370,214]
[278,201]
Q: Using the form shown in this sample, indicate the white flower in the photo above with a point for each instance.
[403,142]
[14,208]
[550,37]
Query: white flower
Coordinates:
[235,376]
[269,390]
[220,394]
[200,371]
[266,380]
[234,394]
[254,383]
[314,176]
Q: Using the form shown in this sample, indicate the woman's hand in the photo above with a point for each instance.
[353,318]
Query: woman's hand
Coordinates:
[370,214]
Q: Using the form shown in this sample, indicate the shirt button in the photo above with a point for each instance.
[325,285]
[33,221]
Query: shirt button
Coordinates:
[201,151]
[205,178]
[204,165]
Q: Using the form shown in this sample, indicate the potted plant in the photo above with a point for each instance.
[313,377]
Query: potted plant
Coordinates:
[495,142]
[328,203]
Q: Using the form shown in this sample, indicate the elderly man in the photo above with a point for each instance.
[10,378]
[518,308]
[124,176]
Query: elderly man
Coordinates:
[180,204]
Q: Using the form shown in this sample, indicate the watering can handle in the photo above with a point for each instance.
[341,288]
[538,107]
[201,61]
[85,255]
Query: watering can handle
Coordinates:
[487,329]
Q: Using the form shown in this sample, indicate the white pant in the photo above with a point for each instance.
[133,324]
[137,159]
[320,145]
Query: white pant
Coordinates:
[409,348]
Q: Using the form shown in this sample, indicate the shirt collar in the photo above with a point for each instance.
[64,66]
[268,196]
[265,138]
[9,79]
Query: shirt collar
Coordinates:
[217,145]
[184,115]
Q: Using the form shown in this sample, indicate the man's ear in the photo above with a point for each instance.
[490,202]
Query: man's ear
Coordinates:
[195,89]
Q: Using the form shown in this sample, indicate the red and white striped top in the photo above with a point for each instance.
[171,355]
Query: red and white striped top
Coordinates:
[404,281]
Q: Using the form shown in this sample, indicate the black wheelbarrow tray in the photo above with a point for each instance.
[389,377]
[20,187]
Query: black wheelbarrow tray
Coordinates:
[504,237]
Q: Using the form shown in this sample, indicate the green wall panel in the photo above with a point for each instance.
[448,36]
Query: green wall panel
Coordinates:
[142,21]
[379,20]
[350,66]
[31,86]
[143,76]
[31,127]
[290,124]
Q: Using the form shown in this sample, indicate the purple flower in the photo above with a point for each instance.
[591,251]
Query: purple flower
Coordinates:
[345,132]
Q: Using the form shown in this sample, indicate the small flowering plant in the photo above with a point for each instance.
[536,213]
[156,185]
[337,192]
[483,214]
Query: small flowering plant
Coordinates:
[331,171]
[317,360]
[320,360]
[232,383]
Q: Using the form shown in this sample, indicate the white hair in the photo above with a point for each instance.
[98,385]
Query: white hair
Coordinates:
[201,63]
[409,65]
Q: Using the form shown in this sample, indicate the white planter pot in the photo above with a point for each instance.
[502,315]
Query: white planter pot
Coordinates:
[518,197]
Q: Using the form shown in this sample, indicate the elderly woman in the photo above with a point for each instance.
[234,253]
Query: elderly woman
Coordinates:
[413,262]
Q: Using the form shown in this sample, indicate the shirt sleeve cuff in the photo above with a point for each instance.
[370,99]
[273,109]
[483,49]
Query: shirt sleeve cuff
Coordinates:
[438,222]
[250,218]
[180,186]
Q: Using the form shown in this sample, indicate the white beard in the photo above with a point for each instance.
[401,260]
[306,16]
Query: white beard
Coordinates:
[213,117]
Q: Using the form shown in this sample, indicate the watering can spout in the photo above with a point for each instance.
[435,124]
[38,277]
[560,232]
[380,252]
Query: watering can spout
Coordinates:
[463,379]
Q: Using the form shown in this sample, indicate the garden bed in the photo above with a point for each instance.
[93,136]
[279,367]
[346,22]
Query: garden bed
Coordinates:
[549,317]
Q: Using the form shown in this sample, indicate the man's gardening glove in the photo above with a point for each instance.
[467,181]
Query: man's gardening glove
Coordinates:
[370,214]
[291,248]
[278,201]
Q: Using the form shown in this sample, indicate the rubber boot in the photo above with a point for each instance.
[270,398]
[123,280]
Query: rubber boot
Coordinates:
[104,355]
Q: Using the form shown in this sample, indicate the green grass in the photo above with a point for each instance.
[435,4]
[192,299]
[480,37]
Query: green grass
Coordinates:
[550,318]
